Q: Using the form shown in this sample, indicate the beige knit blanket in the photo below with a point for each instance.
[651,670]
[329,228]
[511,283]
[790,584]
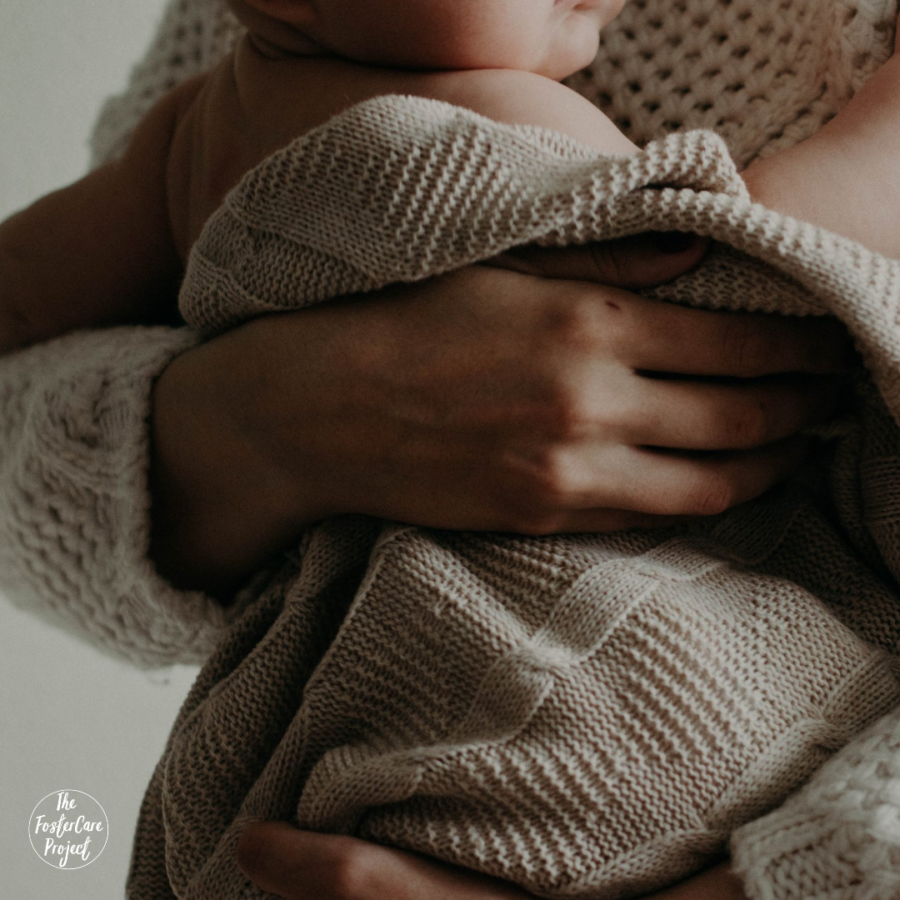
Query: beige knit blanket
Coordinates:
[589,716]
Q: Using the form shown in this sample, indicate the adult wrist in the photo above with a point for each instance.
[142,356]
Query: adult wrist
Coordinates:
[220,508]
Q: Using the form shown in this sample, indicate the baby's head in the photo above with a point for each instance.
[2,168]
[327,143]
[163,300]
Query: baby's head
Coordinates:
[551,37]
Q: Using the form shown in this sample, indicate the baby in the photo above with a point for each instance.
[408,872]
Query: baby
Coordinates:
[111,248]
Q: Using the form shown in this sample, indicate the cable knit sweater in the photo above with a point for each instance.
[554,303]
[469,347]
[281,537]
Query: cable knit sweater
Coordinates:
[75,498]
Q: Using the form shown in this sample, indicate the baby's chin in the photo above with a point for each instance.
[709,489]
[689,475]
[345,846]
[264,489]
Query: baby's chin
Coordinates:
[579,51]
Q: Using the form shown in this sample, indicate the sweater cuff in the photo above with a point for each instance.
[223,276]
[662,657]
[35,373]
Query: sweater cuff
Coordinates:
[74,497]
[839,837]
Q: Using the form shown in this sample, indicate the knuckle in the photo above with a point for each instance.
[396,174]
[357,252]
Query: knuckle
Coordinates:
[568,417]
[539,493]
[571,325]
[712,493]
[746,425]
[554,481]
[744,346]
[351,872]
[567,407]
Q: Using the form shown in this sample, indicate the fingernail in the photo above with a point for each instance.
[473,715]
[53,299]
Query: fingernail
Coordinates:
[675,241]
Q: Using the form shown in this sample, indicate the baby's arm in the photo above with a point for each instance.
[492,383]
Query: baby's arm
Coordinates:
[98,252]
[846,177]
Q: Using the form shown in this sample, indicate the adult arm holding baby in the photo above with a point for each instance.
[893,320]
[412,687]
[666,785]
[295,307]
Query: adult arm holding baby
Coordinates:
[374,879]
[598,475]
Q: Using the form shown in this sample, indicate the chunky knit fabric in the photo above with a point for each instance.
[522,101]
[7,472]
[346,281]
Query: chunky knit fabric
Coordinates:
[835,839]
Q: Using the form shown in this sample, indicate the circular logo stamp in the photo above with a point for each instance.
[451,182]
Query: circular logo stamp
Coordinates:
[68,829]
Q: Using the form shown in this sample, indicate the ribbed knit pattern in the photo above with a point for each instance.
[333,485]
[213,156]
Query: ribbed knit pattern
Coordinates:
[697,683]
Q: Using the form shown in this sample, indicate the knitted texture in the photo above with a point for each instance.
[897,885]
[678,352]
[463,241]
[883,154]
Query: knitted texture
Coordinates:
[74,522]
[763,75]
[664,66]
[854,825]
[586,716]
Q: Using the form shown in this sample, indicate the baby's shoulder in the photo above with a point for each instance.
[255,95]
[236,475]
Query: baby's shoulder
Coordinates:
[498,90]
[525,98]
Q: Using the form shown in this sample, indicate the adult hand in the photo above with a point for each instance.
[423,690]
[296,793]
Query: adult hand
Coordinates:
[301,865]
[485,399]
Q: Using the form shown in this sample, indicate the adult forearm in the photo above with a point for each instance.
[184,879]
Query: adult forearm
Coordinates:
[219,510]
[95,253]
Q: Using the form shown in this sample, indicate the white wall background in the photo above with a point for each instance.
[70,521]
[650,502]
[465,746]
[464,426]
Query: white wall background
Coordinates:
[69,717]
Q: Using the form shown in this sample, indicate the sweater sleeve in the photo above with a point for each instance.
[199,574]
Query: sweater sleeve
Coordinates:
[74,422]
[838,838]
[74,501]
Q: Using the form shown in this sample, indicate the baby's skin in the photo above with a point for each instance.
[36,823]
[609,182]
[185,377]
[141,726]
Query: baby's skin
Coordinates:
[111,248]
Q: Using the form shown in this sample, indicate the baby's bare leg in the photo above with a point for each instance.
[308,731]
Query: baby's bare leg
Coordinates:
[846,177]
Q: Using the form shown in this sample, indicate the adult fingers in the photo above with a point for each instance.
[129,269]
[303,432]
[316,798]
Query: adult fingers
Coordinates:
[637,483]
[301,865]
[663,337]
[718,883]
[670,484]
[644,260]
[666,337]
[709,415]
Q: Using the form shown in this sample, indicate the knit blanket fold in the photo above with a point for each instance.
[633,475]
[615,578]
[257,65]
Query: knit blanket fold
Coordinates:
[589,716]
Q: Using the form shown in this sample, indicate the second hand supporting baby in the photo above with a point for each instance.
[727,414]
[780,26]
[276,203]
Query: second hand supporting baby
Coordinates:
[111,248]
